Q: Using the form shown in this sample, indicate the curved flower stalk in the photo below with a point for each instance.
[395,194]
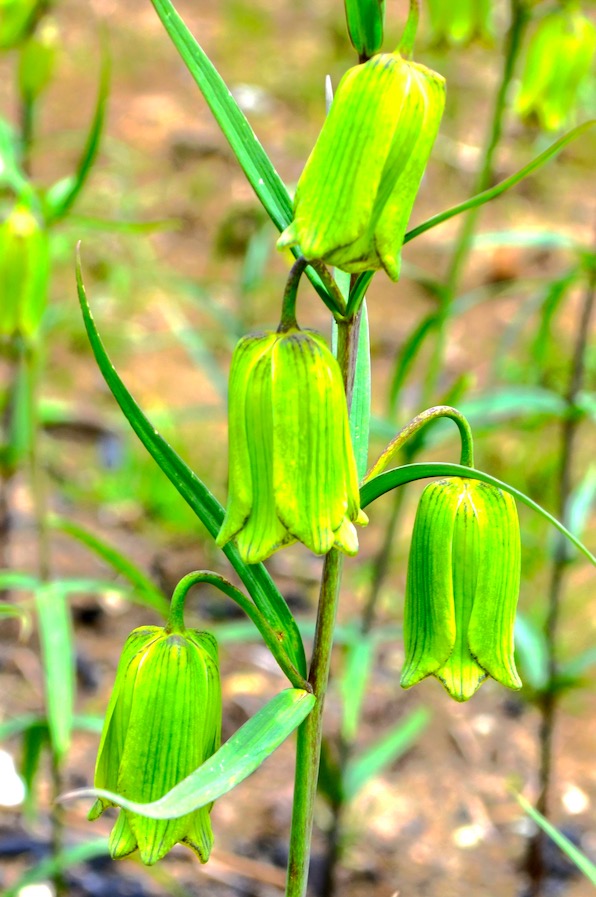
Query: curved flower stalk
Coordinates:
[356,193]
[292,469]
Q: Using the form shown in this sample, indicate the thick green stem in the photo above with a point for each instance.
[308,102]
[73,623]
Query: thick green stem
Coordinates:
[308,747]
[271,638]
[519,20]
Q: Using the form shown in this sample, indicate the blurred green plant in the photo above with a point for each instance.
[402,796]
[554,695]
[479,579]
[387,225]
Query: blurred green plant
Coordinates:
[345,766]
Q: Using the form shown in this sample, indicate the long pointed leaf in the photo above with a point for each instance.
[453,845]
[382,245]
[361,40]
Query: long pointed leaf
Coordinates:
[209,511]
[60,862]
[387,750]
[408,473]
[502,186]
[575,855]
[61,196]
[243,141]
[232,763]
[254,161]
[364,280]
[55,632]
[146,591]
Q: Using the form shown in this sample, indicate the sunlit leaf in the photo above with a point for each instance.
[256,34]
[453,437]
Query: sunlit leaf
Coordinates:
[231,764]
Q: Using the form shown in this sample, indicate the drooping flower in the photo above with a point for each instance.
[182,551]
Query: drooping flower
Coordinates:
[356,193]
[462,587]
[24,270]
[559,57]
[163,721]
[292,474]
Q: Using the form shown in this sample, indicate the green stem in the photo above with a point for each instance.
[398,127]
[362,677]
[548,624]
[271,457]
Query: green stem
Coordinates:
[338,307]
[406,44]
[416,424]
[519,20]
[308,747]
[272,639]
[288,306]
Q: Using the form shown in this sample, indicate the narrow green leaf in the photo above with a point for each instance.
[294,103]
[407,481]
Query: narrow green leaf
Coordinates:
[407,356]
[408,473]
[209,511]
[12,177]
[364,279]
[574,853]
[511,402]
[62,861]
[502,186]
[386,751]
[581,502]
[360,407]
[359,659]
[35,739]
[254,161]
[231,764]
[146,592]
[61,196]
[57,650]
[243,142]
[532,652]
[19,724]
[14,579]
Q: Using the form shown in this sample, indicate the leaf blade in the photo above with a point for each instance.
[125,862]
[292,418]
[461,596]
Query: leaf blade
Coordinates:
[196,494]
[241,755]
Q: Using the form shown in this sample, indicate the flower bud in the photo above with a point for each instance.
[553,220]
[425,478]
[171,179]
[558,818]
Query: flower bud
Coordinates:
[24,270]
[355,195]
[16,18]
[462,587]
[559,57]
[163,721]
[292,470]
[38,59]
[365,20]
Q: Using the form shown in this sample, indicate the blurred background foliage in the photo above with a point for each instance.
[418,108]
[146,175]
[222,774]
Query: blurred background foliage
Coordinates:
[179,261]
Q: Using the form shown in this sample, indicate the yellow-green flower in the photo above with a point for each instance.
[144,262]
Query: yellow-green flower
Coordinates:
[462,587]
[355,195]
[16,18]
[292,470]
[559,57]
[24,270]
[163,721]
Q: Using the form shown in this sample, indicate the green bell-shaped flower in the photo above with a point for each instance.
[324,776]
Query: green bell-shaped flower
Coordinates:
[559,57]
[462,587]
[163,721]
[16,20]
[292,474]
[355,195]
[24,272]
[460,21]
